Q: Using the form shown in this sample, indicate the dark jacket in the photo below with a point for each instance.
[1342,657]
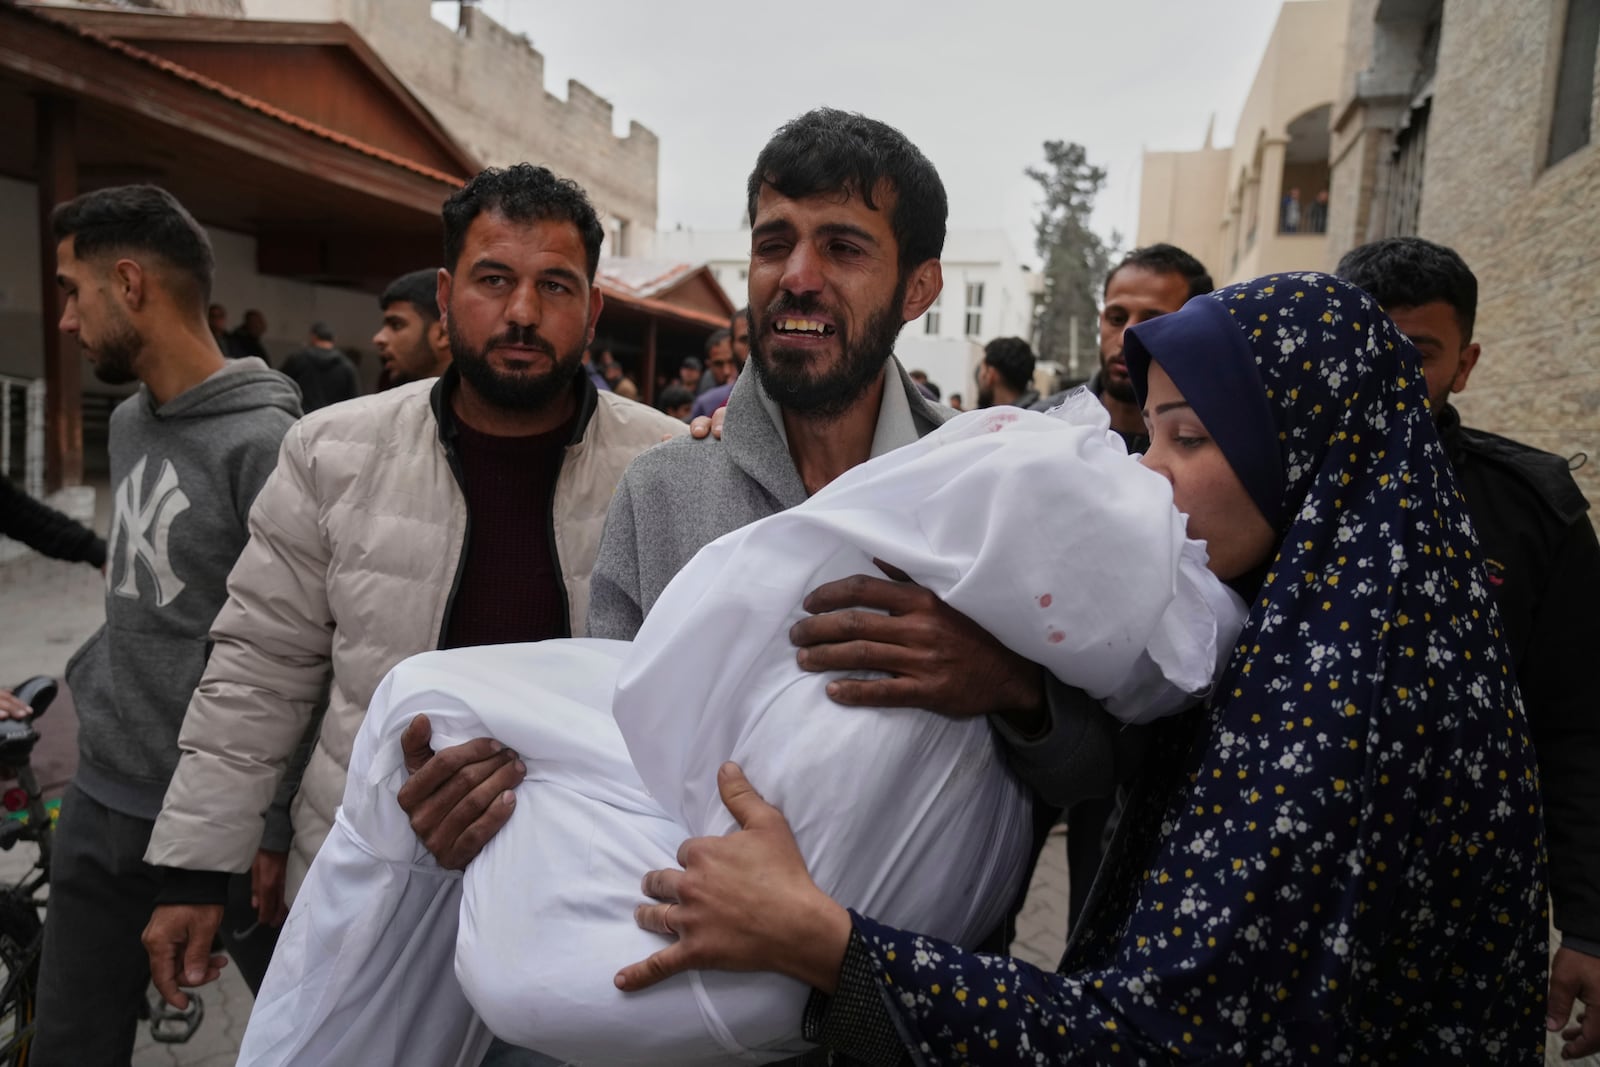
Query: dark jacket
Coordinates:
[1136,442]
[242,344]
[45,530]
[1543,565]
[1029,398]
[325,376]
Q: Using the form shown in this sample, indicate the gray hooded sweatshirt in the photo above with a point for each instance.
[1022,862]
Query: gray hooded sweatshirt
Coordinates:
[183,478]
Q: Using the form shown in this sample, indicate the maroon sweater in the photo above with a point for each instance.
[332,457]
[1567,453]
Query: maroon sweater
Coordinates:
[509,588]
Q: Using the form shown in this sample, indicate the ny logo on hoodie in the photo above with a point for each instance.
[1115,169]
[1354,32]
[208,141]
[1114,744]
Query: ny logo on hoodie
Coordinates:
[141,525]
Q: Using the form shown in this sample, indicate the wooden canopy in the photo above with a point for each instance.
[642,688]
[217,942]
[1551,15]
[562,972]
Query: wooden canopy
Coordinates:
[293,132]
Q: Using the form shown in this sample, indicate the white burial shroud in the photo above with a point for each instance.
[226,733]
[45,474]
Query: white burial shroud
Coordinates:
[1039,528]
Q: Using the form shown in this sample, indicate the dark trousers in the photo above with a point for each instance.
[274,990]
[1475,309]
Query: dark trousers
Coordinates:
[1089,826]
[94,971]
[248,942]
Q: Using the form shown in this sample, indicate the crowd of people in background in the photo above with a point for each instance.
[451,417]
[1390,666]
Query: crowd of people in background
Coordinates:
[412,341]
[1240,887]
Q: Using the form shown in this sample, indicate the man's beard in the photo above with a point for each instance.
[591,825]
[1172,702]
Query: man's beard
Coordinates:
[1118,389]
[521,392]
[114,356]
[829,394]
[417,365]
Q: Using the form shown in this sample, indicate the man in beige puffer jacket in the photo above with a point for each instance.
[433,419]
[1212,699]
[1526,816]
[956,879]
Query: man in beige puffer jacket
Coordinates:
[459,511]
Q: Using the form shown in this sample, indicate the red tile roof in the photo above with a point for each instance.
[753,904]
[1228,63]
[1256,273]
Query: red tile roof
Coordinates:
[245,100]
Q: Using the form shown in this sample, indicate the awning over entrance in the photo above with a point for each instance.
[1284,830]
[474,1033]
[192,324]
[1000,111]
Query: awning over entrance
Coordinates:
[85,111]
[658,312]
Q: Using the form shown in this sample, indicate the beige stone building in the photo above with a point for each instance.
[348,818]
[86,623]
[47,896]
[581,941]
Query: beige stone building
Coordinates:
[1260,205]
[1468,122]
[1472,123]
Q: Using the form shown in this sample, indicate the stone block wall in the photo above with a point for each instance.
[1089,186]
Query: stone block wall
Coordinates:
[1530,232]
[486,85]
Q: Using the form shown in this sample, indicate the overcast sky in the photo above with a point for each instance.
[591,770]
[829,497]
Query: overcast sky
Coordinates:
[978,85]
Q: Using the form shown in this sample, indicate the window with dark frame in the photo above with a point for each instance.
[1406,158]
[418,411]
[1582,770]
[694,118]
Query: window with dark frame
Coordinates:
[1573,107]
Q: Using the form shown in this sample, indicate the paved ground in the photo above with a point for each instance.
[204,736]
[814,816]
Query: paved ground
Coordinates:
[47,609]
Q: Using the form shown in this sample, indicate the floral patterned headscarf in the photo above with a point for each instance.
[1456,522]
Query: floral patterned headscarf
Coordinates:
[1353,859]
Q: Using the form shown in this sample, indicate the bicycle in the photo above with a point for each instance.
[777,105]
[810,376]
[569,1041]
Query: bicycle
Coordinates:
[22,904]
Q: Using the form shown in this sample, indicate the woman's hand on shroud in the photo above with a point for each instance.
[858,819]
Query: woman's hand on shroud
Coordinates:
[744,902]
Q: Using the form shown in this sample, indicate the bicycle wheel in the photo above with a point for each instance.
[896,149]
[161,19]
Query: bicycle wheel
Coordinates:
[20,932]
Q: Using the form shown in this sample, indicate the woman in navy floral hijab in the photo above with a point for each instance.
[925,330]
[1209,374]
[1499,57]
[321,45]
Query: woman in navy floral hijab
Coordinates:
[1341,858]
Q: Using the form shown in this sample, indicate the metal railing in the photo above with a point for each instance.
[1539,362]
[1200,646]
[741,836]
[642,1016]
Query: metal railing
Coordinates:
[31,458]
[1406,165]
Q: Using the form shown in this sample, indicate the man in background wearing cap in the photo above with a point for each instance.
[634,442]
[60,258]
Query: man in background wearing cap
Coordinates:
[324,374]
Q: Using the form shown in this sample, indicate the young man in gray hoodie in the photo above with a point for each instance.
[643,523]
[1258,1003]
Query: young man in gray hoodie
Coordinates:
[189,450]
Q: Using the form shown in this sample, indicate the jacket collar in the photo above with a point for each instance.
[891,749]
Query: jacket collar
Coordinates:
[444,414]
[1449,426]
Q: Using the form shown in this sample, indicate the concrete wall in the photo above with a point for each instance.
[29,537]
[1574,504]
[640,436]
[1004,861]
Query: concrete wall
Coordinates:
[1299,71]
[291,306]
[1529,232]
[486,85]
[1182,198]
[1274,252]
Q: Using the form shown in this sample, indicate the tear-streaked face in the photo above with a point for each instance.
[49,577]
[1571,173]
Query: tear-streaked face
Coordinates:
[826,297]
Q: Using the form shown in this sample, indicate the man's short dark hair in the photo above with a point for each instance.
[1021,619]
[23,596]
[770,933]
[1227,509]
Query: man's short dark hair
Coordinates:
[674,396]
[828,151]
[1013,358]
[1166,259]
[139,218]
[743,312]
[521,193]
[420,289]
[1407,272]
[717,337]
[691,363]
[322,331]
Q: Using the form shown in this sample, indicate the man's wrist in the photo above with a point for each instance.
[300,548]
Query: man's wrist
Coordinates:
[1028,715]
